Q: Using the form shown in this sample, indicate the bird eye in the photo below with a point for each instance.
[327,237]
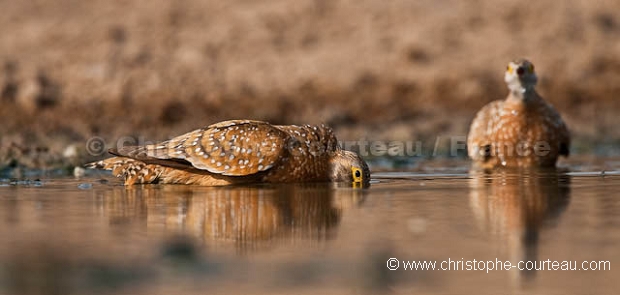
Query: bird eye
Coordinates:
[357,174]
[520,71]
[531,69]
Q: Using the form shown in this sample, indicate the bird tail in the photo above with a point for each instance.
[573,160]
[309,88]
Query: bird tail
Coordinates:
[133,171]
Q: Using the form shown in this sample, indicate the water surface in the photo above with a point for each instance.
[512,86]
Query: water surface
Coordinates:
[62,235]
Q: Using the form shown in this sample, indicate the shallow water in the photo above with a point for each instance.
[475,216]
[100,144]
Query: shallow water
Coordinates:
[62,235]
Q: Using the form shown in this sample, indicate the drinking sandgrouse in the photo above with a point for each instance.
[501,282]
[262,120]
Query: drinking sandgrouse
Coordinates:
[240,151]
[521,131]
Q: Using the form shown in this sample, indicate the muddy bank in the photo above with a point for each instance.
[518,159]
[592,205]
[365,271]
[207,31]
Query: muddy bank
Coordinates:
[403,70]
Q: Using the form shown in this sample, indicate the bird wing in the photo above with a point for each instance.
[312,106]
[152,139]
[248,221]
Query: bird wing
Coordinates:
[480,129]
[232,148]
[564,141]
[554,118]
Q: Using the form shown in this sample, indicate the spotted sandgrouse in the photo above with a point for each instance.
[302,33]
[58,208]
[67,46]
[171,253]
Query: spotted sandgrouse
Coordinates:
[240,151]
[521,131]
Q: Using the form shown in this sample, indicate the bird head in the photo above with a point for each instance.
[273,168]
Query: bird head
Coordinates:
[349,167]
[520,76]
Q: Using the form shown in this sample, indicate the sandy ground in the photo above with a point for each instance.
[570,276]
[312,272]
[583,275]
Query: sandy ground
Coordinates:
[378,70]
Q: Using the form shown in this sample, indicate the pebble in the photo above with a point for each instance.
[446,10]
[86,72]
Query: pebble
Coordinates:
[79,171]
[85,185]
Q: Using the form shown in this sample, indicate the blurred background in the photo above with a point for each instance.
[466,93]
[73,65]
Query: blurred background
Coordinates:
[376,70]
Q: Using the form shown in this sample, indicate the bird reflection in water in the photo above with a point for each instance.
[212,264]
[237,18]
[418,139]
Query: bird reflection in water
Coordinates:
[514,207]
[250,217]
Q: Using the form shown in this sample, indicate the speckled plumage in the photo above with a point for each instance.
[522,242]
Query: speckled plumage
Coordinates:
[521,131]
[240,151]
